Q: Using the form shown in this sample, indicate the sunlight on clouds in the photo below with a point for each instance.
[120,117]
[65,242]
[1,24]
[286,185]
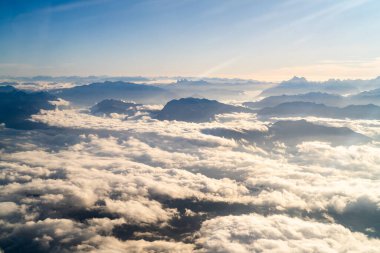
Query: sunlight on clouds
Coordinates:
[255,233]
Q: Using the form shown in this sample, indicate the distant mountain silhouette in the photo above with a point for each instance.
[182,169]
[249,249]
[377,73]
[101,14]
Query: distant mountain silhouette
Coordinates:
[191,82]
[7,88]
[371,96]
[313,97]
[8,83]
[17,106]
[79,79]
[301,130]
[208,89]
[299,85]
[92,93]
[109,106]
[304,109]
[196,110]
[292,132]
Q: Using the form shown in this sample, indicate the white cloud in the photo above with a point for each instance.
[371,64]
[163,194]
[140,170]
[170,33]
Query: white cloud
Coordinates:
[8,208]
[98,174]
[255,233]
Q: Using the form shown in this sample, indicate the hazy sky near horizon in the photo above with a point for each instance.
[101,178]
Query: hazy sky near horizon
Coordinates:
[265,40]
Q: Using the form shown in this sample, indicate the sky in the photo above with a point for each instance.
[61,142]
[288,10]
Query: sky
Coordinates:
[264,40]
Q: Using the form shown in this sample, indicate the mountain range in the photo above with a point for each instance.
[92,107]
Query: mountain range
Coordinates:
[17,106]
[292,132]
[304,109]
[95,92]
[196,110]
[109,106]
[300,85]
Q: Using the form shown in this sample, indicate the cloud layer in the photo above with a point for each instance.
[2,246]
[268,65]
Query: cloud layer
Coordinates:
[105,184]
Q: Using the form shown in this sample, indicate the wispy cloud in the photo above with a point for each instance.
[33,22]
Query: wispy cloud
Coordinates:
[72,6]
[215,70]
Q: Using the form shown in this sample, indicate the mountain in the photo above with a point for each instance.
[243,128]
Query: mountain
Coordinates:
[79,79]
[304,109]
[7,88]
[187,88]
[371,96]
[92,93]
[299,85]
[362,98]
[313,97]
[196,110]
[296,109]
[185,82]
[291,133]
[301,130]
[109,106]
[8,84]
[17,106]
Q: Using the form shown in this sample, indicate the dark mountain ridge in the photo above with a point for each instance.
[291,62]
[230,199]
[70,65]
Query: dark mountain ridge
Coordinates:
[109,106]
[92,93]
[196,110]
[17,106]
[304,109]
[299,85]
[292,133]
[313,97]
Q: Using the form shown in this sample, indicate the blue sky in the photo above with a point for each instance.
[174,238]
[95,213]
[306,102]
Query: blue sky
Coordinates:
[259,39]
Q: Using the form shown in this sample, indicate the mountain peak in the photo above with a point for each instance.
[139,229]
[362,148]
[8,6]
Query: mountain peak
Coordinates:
[196,110]
[297,79]
[109,106]
[191,82]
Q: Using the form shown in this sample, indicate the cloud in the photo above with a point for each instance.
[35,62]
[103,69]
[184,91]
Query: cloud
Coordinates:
[279,177]
[8,209]
[278,233]
[64,235]
[101,184]
[110,244]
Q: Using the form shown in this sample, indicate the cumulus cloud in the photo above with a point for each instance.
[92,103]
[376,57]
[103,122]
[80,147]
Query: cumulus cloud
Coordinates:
[8,209]
[65,235]
[278,233]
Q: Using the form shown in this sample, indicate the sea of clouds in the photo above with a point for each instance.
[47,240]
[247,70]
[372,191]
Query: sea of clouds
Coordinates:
[111,184]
